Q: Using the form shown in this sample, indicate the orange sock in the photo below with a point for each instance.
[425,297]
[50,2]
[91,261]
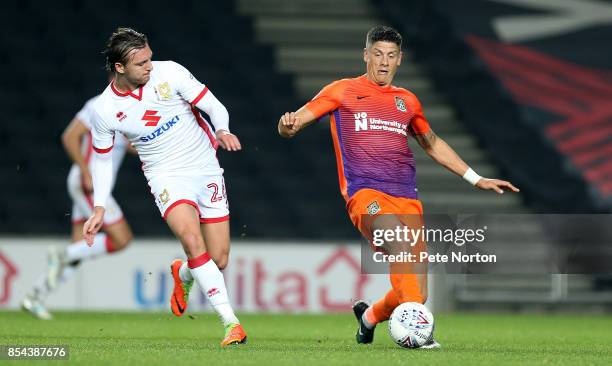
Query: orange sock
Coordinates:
[407,279]
[407,288]
[382,309]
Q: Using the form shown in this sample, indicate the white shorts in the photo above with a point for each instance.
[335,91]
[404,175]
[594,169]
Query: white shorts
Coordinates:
[204,192]
[82,203]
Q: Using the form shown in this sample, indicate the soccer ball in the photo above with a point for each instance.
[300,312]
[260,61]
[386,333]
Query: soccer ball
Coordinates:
[411,325]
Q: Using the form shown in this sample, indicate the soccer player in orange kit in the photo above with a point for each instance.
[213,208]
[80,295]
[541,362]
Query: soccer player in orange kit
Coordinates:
[370,123]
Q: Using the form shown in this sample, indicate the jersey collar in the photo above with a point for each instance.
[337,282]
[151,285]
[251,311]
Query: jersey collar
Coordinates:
[364,79]
[126,94]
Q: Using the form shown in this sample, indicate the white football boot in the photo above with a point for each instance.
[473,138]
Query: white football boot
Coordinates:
[35,307]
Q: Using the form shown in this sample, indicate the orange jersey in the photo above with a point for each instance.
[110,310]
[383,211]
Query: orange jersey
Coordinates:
[370,126]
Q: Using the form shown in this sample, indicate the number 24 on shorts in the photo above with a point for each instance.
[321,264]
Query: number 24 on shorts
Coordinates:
[216,197]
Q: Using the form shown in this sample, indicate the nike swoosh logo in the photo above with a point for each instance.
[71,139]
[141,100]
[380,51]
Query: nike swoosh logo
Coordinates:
[360,332]
[359,97]
[178,304]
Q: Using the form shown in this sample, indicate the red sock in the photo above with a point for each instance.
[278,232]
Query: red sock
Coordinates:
[110,246]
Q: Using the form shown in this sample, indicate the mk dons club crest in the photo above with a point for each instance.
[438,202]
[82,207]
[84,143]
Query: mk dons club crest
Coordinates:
[164,197]
[373,208]
[399,103]
[163,91]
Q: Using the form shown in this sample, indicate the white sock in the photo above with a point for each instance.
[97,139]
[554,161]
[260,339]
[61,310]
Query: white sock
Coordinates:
[41,288]
[67,273]
[365,321]
[185,273]
[80,249]
[211,281]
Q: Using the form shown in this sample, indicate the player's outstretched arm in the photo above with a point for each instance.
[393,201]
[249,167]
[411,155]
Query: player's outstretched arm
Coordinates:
[291,123]
[444,155]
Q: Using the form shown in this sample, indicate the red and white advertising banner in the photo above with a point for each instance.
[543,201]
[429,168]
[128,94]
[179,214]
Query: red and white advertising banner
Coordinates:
[305,277]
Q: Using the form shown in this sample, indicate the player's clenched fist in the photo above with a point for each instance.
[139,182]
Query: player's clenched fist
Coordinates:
[289,124]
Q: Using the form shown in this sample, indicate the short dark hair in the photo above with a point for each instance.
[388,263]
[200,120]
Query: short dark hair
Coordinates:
[385,34]
[120,44]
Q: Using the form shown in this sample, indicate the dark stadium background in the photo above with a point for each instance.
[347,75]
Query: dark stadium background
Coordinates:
[52,64]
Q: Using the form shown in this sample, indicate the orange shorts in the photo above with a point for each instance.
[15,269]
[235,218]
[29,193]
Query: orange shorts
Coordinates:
[366,204]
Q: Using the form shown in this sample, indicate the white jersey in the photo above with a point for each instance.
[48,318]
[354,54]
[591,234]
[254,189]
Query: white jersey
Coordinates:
[159,119]
[86,117]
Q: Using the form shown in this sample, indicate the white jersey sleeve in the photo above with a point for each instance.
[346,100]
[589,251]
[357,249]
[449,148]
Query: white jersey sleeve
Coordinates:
[198,95]
[215,110]
[102,176]
[187,85]
[103,136]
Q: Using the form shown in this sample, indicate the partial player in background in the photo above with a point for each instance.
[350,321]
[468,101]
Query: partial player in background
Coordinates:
[370,123]
[155,105]
[62,262]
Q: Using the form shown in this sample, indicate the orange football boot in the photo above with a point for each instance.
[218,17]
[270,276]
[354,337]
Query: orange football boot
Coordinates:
[180,294]
[234,334]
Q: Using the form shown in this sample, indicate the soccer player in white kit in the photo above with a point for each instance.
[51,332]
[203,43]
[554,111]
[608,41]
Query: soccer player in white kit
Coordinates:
[62,262]
[155,105]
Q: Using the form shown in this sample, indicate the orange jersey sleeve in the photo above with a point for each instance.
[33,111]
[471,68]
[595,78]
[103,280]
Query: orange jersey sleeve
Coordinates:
[328,99]
[418,124]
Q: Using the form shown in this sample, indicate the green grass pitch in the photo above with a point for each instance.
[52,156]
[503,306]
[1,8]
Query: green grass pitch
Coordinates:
[161,339]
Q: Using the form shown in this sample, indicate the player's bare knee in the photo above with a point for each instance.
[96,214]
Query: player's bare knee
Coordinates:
[120,236]
[220,260]
[128,238]
[122,242]
[397,248]
[192,243]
